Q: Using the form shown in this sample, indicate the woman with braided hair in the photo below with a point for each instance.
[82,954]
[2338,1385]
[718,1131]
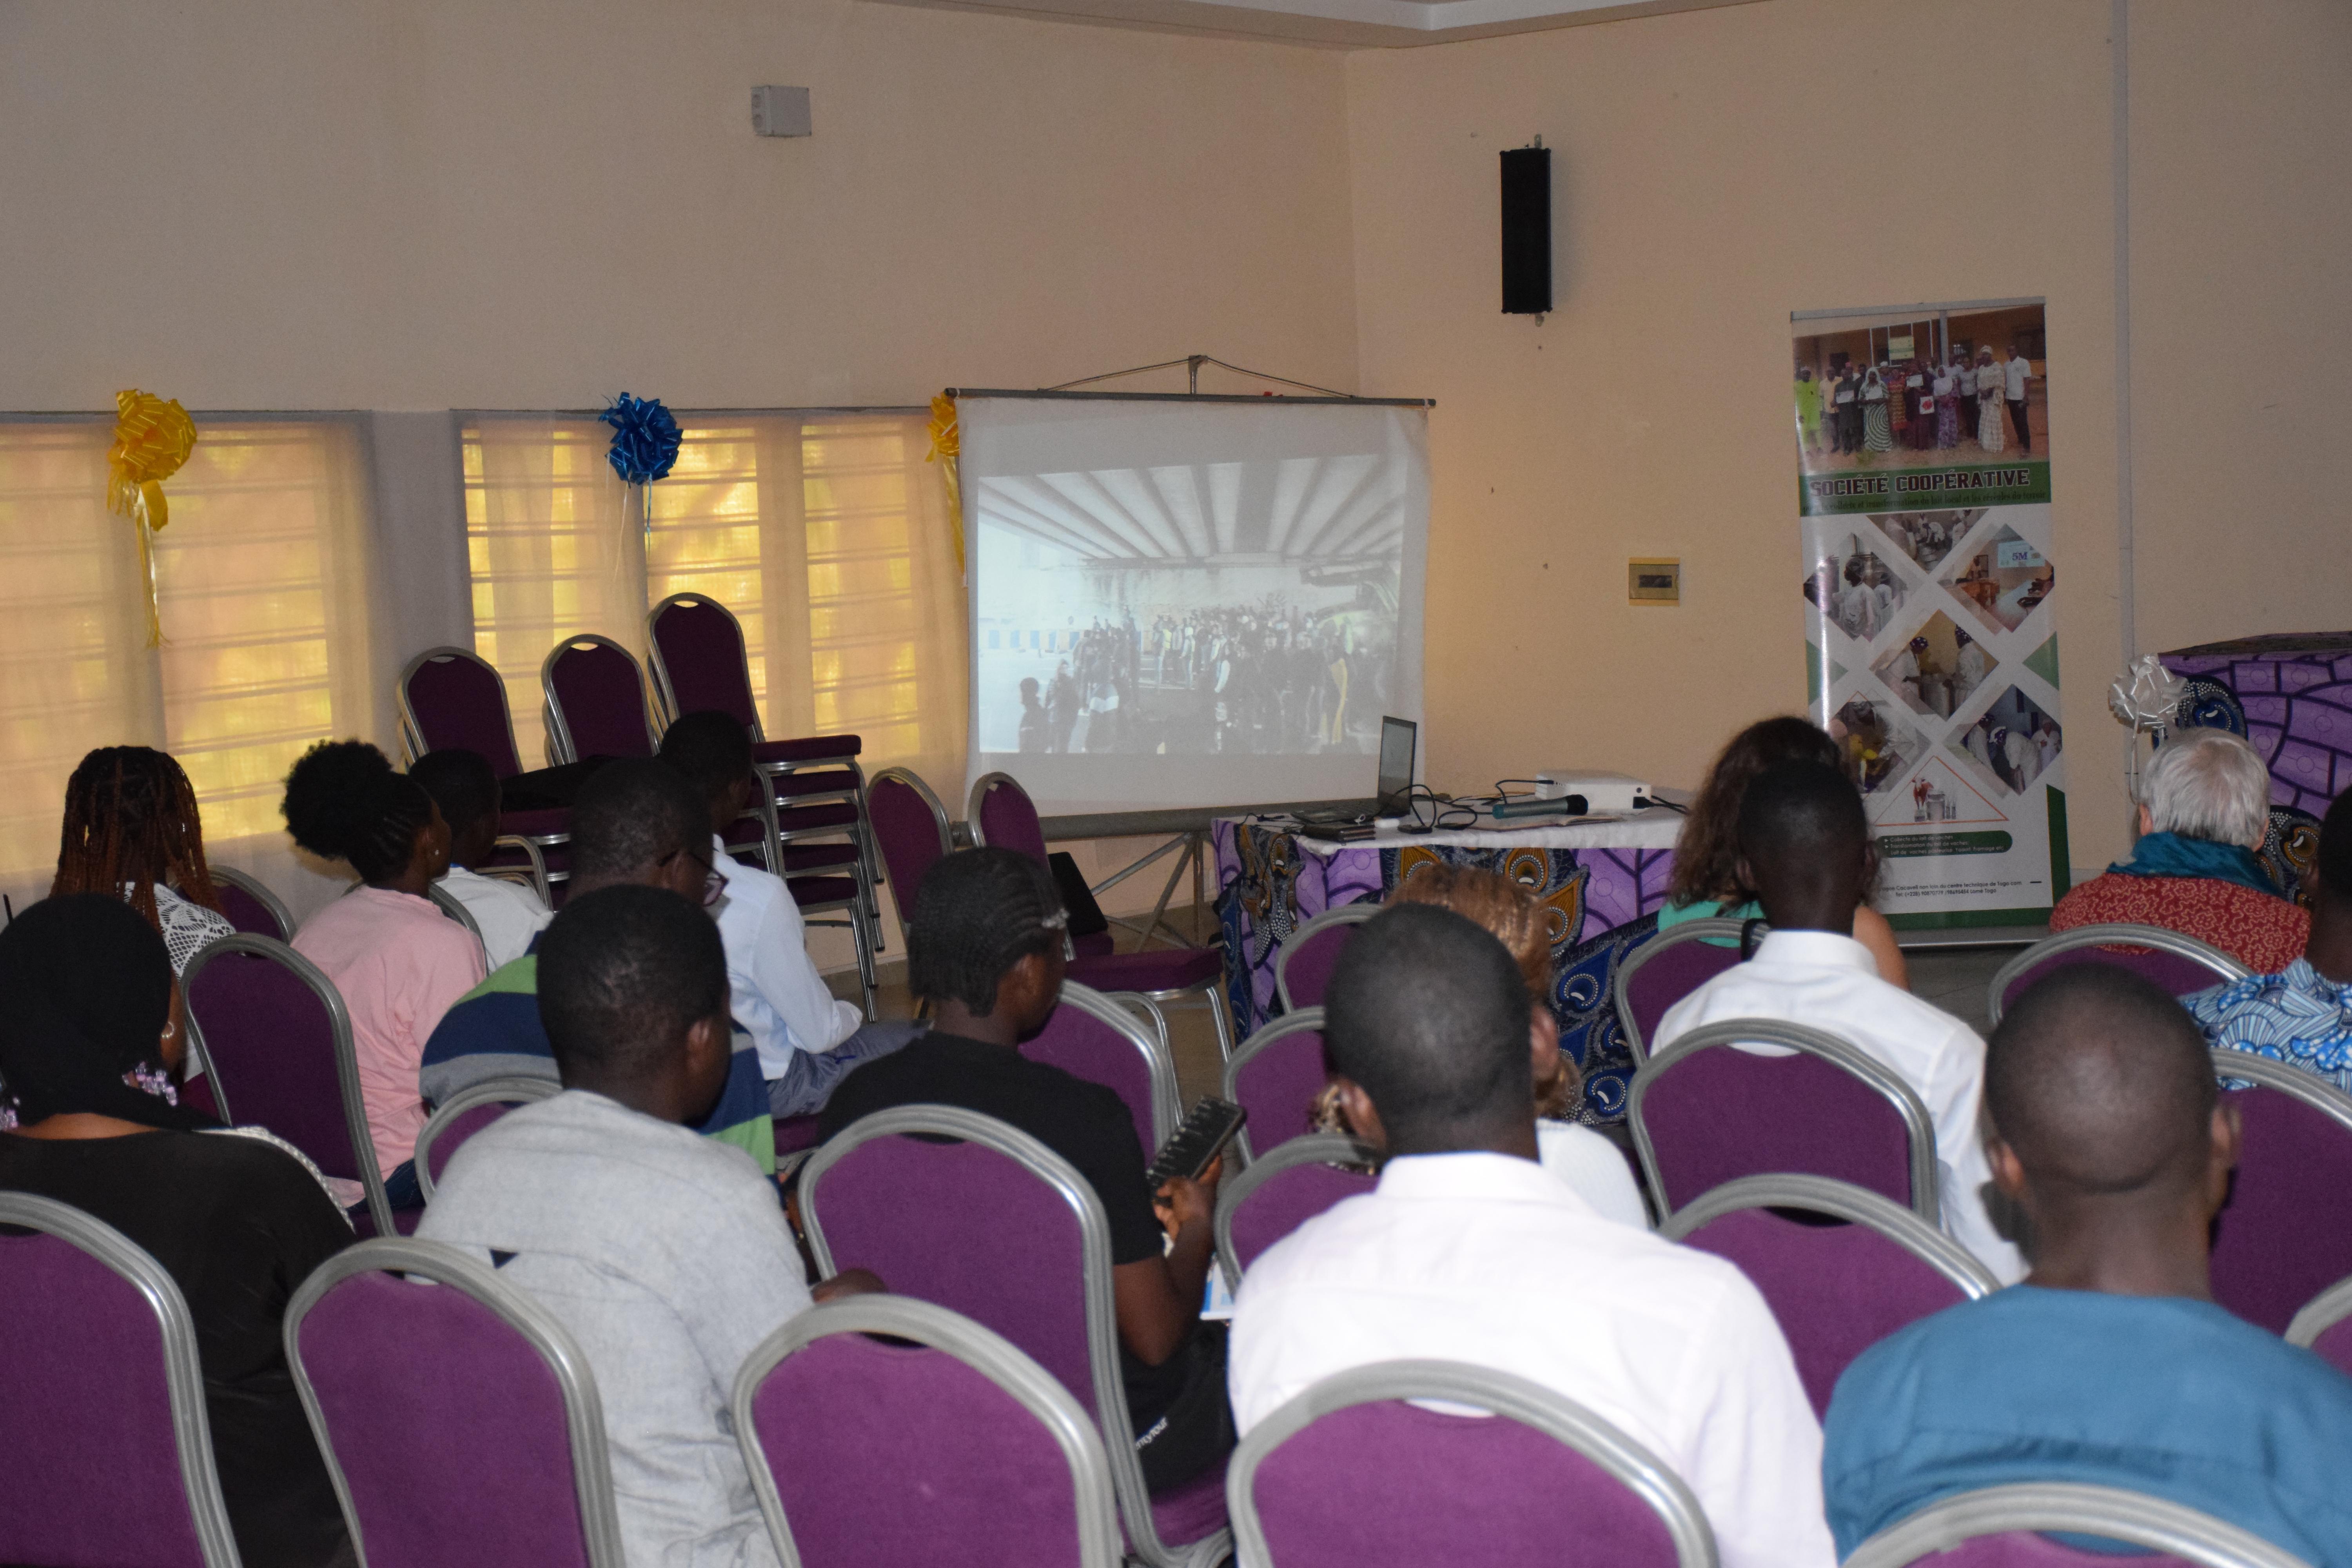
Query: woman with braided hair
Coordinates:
[132,830]
[986,951]
[398,959]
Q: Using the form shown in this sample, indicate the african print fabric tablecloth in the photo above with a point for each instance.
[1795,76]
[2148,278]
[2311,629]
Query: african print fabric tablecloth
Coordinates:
[2291,696]
[1601,884]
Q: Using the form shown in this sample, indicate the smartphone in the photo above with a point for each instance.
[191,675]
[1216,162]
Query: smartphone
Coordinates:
[1197,1142]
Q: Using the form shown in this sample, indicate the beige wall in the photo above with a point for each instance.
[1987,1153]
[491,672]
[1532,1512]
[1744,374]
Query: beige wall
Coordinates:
[436,203]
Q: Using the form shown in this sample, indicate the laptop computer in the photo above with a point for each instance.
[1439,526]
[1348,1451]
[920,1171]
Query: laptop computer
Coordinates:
[1400,740]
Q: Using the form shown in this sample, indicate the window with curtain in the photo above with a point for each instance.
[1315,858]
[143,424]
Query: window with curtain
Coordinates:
[262,576]
[826,535]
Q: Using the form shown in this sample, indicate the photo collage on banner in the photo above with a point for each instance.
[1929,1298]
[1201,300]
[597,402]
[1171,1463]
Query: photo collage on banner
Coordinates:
[1930,581]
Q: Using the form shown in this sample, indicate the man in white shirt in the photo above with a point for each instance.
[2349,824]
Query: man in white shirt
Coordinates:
[1971,667]
[1469,1251]
[2015,374]
[808,1039]
[507,913]
[1805,846]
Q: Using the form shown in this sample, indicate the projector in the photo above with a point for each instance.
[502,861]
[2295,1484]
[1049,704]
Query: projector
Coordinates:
[1602,792]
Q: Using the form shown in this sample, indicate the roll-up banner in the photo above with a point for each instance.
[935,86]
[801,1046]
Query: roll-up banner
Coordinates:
[1923,492]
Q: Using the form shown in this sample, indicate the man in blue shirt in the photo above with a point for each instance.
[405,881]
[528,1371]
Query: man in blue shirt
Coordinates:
[2110,1365]
[2303,1015]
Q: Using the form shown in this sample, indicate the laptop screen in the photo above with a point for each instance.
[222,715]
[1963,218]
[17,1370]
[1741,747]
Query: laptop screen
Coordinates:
[1398,737]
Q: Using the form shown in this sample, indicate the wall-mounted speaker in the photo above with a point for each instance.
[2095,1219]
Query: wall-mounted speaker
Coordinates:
[1527,231]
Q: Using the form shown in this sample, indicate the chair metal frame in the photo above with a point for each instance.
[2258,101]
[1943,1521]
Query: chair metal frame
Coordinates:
[903,898]
[449,904]
[1114,1008]
[980,787]
[1290,1022]
[561,748]
[985,1351]
[258,892]
[533,876]
[445,1266]
[1343,915]
[2177,943]
[1620,999]
[347,1070]
[184,1375]
[412,732]
[2321,1313]
[1855,1206]
[513,1089]
[1926,1200]
[2110,1512]
[2267,1072]
[1110,1413]
[1308,1149]
[1554,1415]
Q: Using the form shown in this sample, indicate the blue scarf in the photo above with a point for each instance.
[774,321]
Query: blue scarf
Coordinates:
[2170,855]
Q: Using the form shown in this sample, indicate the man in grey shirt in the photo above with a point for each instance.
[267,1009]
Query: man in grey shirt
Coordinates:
[664,1254]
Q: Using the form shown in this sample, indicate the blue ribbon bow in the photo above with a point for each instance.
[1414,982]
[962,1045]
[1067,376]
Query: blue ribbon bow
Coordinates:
[645,438]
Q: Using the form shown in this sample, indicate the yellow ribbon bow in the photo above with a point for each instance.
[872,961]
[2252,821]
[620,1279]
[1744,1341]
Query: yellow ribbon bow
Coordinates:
[151,438]
[947,444]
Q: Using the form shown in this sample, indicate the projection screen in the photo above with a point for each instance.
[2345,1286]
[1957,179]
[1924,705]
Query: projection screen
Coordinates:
[1190,601]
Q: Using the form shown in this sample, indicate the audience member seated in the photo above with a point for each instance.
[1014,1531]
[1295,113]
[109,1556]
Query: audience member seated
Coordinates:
[1507,910]
[398,959]
[808,1039]
[986,949]
[2110,1365]
[2204,809]
[132,830]
[467,792]
[90,1039]
[1805,846]
[1468,1251]
[1707,884]
[635,824]
[664,1255]
[2303,1014]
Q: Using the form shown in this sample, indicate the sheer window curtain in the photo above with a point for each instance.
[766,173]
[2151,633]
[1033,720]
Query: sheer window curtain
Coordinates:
[263,580]
[825,533]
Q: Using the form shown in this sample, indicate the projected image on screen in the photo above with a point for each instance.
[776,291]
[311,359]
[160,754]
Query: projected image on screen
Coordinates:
[1148,583]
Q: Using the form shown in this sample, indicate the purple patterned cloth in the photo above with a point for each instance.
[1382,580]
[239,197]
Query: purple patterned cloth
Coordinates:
[1603,903]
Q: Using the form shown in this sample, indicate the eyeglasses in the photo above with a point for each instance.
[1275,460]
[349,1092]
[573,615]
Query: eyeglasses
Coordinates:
[714,885]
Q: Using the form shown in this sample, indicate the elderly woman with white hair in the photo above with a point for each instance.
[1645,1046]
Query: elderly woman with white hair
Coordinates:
[2204,810]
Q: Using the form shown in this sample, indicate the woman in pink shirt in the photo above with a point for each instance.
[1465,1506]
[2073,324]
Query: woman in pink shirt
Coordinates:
[398,961]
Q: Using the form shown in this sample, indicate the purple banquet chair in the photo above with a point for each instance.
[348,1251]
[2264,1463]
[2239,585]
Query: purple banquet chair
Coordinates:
[1835,1290]
[1276,1075]
[1000,813]
[250,906]
[467,1113]
[910,830]
[105,1443]
[1282,1190]
[2323,1326]
[1350,1474]
[460,1421]
[1303,965]
[2180,964]
[889,1194]
[450,699]
[2285,1234]
[276,1042]
[1665,969]
[1705,1112]
[2000,1527]
[942,1445]
[1091,1037]
[595,698]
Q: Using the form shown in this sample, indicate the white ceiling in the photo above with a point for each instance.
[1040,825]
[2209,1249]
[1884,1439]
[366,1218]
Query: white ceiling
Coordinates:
[1333,23]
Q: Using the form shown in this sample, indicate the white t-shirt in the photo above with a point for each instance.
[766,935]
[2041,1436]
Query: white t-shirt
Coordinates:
[2018,371]
[1487,1260]
[1830,983]
[777,995]
[1593,1170]
[507,913]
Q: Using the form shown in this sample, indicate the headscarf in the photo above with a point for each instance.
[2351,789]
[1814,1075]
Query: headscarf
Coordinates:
[87,985]
[1918,645]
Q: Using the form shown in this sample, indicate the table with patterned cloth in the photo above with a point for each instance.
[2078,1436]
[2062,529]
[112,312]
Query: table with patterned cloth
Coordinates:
[1602,884]
[2291,696]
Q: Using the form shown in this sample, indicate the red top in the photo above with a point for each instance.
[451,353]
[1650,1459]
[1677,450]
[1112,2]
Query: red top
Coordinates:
[2262,931]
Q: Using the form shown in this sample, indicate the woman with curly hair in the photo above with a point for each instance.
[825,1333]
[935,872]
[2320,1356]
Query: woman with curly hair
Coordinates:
[1708,881]
[132,830]
[398,959]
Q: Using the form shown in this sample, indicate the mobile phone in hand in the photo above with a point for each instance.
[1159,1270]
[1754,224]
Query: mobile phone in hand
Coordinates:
[1196,1144]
